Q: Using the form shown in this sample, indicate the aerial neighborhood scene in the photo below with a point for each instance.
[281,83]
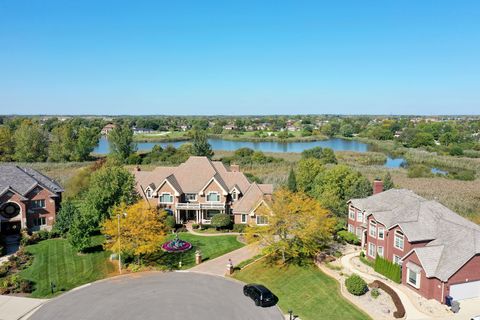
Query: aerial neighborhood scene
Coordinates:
[239,160]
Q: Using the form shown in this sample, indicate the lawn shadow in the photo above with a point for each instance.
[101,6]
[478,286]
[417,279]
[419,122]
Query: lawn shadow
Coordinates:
[92,249]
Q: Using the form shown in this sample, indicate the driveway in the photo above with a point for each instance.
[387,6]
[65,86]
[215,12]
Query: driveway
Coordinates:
[155,295]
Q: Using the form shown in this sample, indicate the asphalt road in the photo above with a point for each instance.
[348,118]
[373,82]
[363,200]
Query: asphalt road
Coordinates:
[170,296]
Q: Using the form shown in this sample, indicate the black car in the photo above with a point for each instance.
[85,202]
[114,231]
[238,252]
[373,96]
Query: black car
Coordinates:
[260,295]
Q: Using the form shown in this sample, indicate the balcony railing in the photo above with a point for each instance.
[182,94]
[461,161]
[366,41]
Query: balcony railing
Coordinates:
[199,206]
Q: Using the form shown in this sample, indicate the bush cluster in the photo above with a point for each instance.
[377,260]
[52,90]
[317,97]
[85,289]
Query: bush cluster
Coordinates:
[389,269]
[348,237]
[15,284]
[400,312]
[221,221]
[10,280]
[356,285]
[238,227]
[35,237]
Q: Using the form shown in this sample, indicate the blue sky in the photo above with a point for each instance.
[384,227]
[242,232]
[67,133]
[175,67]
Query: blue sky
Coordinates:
[239,57]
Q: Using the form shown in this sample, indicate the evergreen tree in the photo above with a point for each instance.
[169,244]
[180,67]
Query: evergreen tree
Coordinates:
[388,182]
[65,217]
[80,232]
[292,181]
[200,146]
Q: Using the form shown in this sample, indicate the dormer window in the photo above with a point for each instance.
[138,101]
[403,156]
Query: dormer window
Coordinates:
[148,193]
[213,197]
[234,195]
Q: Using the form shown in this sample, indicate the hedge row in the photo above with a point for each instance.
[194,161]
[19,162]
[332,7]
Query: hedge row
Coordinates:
[389,269]
[400,312]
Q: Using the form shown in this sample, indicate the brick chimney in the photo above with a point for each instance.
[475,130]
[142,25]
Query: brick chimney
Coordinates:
[234,168]
[377,186]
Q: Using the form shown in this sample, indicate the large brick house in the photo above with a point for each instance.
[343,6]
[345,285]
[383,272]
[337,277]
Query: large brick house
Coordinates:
[439,251]
[200,188]
[28,200]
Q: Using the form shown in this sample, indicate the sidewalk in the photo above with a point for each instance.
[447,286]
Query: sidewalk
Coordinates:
[218,266]
[15,308]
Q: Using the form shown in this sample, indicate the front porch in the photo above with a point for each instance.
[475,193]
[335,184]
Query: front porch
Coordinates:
[200,213]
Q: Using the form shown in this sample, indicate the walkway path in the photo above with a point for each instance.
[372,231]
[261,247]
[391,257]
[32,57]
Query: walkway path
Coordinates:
[412,312]
[218,266]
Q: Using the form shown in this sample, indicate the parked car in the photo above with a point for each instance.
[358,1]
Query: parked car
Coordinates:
[260,295]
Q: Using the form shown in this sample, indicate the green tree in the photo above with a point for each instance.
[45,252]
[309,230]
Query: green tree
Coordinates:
[292,181]
[79,234]
[121,142]
[109,186]
[65,217]
[201,147]
[307,170]
[62,142]
[388,182]
[325,155]
[221,221]
[7,144]
[31,142]
[334,186]
[87,139]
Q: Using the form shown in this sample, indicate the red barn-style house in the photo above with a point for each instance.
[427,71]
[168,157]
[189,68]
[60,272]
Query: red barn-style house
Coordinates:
[28,200]
[439,251]
[199,188]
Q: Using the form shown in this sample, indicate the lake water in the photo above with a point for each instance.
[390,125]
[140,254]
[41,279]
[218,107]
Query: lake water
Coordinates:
[264,146]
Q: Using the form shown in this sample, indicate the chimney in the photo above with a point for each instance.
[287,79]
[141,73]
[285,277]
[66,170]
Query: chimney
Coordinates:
[377,186]
[234,168]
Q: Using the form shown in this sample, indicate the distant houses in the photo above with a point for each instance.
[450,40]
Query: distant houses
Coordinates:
[107,129]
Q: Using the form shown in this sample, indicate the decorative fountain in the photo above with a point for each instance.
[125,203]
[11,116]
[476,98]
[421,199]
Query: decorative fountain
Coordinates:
[176,245]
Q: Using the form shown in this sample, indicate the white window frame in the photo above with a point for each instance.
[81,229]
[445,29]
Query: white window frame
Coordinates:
[360,216]
[417,278]
[351,214]
[351,228]
[399,235]
[40,221]
[397,259]
[165,194]
[234,195]
[243,218]
[263,223]
[188,197]
[381,231]
[380,251]
[211,193]
[372,250]
[372,229]
[38,204]
[148,193]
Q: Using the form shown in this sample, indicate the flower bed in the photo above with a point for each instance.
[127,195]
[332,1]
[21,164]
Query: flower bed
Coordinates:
[400,313]
[176,246]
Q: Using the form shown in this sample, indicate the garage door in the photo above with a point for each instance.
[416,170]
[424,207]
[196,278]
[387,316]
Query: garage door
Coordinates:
[465,290]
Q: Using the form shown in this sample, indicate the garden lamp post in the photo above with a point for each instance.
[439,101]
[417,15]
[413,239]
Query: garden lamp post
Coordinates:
[119,249]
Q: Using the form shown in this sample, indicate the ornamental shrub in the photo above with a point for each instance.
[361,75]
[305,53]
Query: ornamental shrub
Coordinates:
[240,228]
[389,269]
[356,285]
[375,293]
[195,226]
[221,221]
[170,222]
[348,237]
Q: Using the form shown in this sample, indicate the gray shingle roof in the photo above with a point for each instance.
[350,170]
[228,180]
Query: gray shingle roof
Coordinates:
[23,180]
[453,239]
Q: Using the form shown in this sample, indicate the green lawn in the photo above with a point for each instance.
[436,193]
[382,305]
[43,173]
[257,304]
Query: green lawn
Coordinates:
[211,247]
[305,289]
[56,261]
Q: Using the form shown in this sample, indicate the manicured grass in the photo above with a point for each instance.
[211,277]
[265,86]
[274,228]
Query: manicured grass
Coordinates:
[56,261]
[211,247]
[304,289]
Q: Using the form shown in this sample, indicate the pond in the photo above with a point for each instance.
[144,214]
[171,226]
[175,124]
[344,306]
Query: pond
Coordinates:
[265,146]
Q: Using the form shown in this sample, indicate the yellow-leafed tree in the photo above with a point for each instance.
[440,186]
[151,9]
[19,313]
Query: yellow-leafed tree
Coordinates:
[142,229]
[298,226]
